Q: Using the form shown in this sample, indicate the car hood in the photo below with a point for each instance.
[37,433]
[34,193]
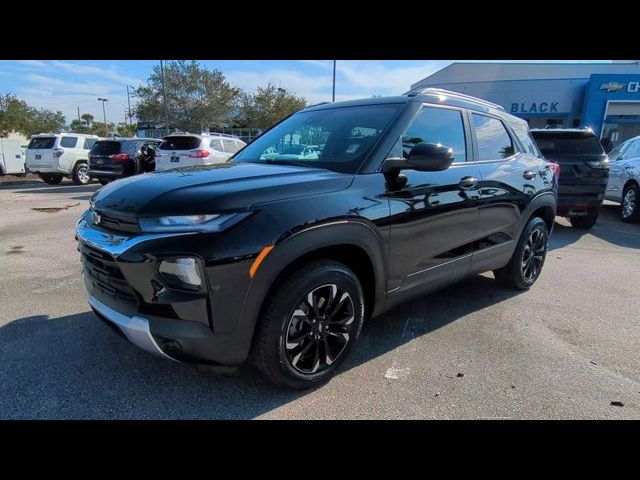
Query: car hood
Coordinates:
[214,188]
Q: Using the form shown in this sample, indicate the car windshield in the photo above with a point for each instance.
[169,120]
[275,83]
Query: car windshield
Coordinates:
[565,143]
[337,139]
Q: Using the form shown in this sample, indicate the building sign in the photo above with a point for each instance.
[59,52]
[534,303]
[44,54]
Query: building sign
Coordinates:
[631,87]
[535,107]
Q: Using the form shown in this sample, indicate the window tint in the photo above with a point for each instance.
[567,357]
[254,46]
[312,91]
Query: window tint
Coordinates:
[521,131]
[88,143]
[493,140]
[633,151]
[105,147]
[567,143]
[68,142]
[180,143]
[42,142]
[440,126]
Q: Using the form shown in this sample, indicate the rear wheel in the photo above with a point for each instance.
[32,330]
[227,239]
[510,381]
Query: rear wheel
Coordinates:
[309,325]
[81,174]
[585,222]
[51,178]
[525,265]
[630,198]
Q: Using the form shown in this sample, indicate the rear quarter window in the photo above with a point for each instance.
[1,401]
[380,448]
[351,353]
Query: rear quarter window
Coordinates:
[42,142]
[89,143]
[68,142]
[180,143]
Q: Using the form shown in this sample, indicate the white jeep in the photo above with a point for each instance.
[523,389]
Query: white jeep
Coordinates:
[57,155]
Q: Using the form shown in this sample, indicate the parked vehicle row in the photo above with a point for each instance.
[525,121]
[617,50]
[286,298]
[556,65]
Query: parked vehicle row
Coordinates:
[280,254]
[84,157]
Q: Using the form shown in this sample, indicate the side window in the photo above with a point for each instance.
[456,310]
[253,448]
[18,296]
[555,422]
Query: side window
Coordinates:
[216,144]
[617,153]
[68,142]
[88,143]
[633,151]
[229,146]
[494,142]
[437,125]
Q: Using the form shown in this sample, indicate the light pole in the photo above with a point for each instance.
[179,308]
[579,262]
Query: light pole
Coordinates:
[129,102]
[104,115]
[333,98]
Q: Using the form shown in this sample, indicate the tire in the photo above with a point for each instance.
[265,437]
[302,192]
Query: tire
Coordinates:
[585,222]
[291,339]
[51,178]
[515,274]
[630,211]
[80,174]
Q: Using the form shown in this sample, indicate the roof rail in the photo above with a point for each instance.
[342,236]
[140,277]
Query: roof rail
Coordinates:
[441,91]
[222,134]
[316,104]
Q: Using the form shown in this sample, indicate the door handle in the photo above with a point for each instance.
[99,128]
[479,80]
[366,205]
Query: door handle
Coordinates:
[529,174]
[467,183]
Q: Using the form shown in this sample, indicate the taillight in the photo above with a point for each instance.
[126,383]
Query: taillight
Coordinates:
[120,156]
[199,154]
[57,152]
[555,168]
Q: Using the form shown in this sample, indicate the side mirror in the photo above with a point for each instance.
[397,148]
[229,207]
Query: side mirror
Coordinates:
[424,157]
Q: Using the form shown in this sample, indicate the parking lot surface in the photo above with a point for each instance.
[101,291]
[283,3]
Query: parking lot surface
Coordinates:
[567,348]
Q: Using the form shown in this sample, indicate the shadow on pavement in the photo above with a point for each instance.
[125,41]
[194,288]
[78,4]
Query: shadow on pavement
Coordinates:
[76,367]
[609,228]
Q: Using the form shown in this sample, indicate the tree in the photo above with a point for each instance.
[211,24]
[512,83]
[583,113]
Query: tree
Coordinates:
[99,128]
[126,130]
[196,97]
[87,118]
[79,126]
[16,115]
[267,106]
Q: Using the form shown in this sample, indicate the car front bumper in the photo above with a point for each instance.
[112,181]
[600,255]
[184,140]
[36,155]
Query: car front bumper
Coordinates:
[202,327]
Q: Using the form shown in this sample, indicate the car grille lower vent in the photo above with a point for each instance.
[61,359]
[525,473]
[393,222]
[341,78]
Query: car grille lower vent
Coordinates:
[105,276]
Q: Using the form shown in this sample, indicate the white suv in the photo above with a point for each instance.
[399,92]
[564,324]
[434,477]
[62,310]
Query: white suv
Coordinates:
[188,149]
[57,155]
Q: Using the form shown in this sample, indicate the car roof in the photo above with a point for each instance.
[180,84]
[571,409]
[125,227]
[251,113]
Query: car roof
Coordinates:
[203,136]
[585,131]
[436,96]
[40,135]
[130,139]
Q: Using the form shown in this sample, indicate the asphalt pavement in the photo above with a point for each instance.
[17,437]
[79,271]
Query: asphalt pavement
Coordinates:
[567,348]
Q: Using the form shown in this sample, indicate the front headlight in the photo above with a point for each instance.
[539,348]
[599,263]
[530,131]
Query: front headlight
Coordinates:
[191,223]
[600,163]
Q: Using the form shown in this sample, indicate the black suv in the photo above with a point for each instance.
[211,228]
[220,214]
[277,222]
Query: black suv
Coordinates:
[122,157]
[584,171]
[280,257]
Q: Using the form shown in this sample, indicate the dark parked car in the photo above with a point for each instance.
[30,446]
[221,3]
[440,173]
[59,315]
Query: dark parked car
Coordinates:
[282,260]
[122,157]
[584,171]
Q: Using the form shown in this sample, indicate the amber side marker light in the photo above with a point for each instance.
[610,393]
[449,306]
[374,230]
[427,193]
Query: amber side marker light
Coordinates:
[256,263]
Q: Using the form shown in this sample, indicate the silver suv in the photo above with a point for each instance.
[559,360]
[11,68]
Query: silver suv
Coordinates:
[624,178]
[189,149]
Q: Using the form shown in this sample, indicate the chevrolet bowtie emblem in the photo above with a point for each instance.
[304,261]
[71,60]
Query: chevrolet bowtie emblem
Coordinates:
[612,86]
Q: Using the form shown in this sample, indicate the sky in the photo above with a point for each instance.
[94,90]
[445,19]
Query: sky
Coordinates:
[66,85]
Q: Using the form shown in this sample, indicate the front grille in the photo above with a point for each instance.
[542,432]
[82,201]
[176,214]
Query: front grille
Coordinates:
[105,276]
[118,223]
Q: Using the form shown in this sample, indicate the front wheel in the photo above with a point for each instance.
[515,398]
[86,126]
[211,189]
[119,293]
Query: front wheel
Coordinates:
[81,174]
[630,198]
[309,325]
[525,265]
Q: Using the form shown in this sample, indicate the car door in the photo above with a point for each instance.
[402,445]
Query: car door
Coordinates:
[433,215]
[510,175]
[71,153]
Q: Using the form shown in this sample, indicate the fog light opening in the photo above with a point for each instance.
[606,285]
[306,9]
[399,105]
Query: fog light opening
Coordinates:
[181,272]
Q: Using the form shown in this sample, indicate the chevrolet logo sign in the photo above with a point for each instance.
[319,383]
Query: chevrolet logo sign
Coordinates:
[612,86]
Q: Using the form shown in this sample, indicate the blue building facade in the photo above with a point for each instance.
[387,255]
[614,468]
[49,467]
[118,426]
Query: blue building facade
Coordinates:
[605,97]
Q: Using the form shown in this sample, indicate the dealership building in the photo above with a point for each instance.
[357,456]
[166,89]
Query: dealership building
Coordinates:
[603,96]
